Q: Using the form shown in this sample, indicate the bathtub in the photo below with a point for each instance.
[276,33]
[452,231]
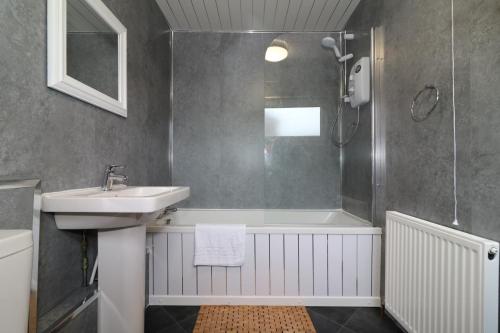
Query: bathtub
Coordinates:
[293,257]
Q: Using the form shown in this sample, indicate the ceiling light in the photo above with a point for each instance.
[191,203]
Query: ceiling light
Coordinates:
[277,51]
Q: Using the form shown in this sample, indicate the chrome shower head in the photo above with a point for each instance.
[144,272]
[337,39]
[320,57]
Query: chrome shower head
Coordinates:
[330,43]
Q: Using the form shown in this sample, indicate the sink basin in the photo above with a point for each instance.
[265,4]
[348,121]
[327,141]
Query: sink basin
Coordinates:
[122,199]
[124,206]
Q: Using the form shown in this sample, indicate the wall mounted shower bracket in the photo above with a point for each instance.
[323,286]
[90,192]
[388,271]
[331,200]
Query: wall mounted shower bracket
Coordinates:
[348,36]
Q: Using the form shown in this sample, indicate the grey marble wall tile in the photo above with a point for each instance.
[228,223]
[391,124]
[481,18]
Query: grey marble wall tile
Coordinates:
[65,142]
[303,172]
[86,322]
[197,76]
[59,267]
[480,46]
[420,156]
[16,207]
[242,119]
[219,140]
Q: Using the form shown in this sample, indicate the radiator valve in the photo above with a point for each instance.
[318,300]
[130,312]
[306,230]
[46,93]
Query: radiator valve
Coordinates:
[492,253]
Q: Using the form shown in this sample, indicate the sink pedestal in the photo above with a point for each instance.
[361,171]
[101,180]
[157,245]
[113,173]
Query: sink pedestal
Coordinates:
[119,217]
[122,269]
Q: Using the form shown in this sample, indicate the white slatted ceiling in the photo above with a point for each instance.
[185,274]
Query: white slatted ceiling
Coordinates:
[257,15]
[201,14]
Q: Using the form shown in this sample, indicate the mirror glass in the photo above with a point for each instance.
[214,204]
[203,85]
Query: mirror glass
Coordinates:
[91,49]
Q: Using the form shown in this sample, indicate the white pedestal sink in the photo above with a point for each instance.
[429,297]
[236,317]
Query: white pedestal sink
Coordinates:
[119,216]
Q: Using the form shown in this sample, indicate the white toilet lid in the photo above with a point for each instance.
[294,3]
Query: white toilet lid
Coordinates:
[13,241]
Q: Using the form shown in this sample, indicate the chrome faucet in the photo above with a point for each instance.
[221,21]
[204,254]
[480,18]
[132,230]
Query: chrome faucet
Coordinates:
[110,177]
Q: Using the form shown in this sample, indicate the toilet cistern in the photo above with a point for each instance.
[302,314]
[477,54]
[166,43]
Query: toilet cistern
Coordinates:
[16,250]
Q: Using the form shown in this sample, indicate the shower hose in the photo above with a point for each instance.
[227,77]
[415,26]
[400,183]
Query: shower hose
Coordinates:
[335,124]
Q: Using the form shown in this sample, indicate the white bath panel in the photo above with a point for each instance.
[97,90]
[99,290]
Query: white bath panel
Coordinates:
[261,265]
[364,265]
[291,253]
[188,268]
[234,281]
[334,265]
[160,270]
[376,260]
[349,267]
[174,263]
[287,267]
[320,259]
[218,281]
[306,268]
[276,265]
[204,280]
[248,267]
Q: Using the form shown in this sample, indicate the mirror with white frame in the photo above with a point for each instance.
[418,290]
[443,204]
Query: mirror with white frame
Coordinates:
[87,53]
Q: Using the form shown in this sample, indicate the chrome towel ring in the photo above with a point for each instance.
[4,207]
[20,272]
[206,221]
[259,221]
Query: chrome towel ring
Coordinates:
[428,113]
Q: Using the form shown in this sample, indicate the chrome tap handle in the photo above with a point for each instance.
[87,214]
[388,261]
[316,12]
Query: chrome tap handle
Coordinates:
[109,174]
[113,167]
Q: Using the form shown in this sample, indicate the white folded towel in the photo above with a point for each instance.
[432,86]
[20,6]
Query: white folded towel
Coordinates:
[219,244]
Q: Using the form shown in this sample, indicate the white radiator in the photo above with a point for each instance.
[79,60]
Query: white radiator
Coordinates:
[439,279]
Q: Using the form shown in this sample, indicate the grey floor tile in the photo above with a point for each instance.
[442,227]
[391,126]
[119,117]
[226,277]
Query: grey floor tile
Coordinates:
[182,319]
[156,319]
[345,330]
[369,320]
[180,313]
[175,328]
[322,324]
[340,315]
[188,323]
